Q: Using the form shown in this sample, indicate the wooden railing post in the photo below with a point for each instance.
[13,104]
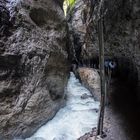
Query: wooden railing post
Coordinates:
[102,71]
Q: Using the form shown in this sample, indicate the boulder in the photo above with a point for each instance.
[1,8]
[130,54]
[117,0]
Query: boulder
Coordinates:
[91,80]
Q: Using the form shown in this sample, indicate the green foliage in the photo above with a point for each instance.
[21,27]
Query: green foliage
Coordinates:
[68,4]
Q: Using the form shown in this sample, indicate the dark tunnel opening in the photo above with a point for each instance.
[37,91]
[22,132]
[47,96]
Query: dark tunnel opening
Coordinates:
[124,102]
[124,97]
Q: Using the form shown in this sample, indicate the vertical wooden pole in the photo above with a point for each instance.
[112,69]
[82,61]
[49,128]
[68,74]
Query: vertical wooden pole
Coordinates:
[102,74]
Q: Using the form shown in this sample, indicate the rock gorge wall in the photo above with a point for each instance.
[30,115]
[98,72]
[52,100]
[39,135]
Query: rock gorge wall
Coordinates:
[34,65]
[121,34]
[34,53]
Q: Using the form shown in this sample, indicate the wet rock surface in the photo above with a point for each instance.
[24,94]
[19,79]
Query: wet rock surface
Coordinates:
[34,65]
[121,34]
[91,80]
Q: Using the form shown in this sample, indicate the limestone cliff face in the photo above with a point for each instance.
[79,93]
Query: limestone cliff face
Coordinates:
[121,33]
[33,64]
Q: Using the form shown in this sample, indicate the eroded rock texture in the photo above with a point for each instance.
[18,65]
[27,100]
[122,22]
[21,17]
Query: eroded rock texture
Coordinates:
[33,64]
[91,80]
[121,34]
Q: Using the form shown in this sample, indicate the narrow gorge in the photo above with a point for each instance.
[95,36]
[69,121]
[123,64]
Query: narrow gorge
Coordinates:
[49,69]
